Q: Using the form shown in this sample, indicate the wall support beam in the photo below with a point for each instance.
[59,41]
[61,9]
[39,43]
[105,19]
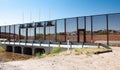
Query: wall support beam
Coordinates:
[13,49]
[107,30]
[33,51]
[22,52]
[91,29]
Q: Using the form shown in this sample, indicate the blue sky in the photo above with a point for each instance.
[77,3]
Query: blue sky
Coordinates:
[11,11]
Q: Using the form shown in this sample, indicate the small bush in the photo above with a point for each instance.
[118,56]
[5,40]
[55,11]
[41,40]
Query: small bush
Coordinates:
[2,49]
[77,50]
[38,54]
[56,49]
[47,53]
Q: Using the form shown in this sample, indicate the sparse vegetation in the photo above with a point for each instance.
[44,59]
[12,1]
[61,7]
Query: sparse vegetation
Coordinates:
[53,52]
[2,49]
[87,51]
[39,55]
[77,51]
[9,56]
[56,50]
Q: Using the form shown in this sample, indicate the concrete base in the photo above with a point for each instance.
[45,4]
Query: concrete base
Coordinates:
[32,49]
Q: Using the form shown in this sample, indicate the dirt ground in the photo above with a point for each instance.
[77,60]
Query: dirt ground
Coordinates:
[105,61]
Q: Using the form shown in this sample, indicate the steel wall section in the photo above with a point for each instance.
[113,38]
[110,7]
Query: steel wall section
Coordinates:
[60,30]
[111,25]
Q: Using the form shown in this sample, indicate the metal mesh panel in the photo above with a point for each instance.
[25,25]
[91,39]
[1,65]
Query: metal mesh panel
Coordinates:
[3,33]
[88,29]
[81,24]
[17,32]
[31,31]
[23,32]
[114,28]
[100,29]
[7,33]
[50,31]
[40,31]
[71,29]
[60,30]
[12,32]
[81,27]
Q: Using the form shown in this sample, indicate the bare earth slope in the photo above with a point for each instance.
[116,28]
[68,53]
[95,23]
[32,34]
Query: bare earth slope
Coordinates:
[105,61]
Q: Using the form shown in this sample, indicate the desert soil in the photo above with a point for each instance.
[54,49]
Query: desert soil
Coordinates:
[105,61]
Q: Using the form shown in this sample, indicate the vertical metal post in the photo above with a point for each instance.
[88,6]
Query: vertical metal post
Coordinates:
[19,33]
[26,33]
[55,30]
[44,30]
[48,33]
[35,32]
[85,29]
[91,29]
[33,51]
[68,47]
[9,32]
[14,34]
[107,30]
[22,50]
[5,32]
[49,38]
[77,30]
[65,28]
[13,49]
